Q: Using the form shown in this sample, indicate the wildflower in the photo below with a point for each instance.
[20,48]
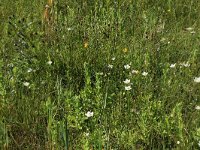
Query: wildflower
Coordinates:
[29,70]
[49,62]
[145,73]
[135,71]
[199,144]
[197,79]
[178,142]
[125,50]
[69,29]
[173,65]
[127,66]
[87,134]
[89,114]
[113,58]
[127,81]
[197,107]
[189,29]
[127,88]
[110,66]
[185,64]
[86,44]
[100,73]
[26,84]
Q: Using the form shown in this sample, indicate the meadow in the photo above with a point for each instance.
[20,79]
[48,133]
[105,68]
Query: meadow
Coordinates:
[100,75]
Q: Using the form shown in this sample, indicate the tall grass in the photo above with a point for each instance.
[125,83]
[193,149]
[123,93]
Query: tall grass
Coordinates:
[99,74]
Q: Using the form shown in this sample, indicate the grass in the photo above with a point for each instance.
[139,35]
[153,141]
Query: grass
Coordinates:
[100,75]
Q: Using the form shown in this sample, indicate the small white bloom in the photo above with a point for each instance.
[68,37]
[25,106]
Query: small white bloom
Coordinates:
[173,65]
[49,62]
[185,64]
[189,29]
[127,66]
[100,73]
[145,73]
[178,142]
[69,29]
[197,79]
[113,58]
[26,83]
[87,134]
[127,88]
[197,107]
[110,66]
[135,71]
[127,81]
[29,70]
[199,144]
[89,114]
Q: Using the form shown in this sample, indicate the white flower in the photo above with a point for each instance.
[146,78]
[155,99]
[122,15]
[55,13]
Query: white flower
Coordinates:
[113,58]
[29,70]
[197,79]
[127,66]
[26,83]
[87,134]
[173,65]
[135,71]
[178,142]
[89,114]
[189,29]
[69,29]
[199,144]
[49,62]
[127,81]
[185,64]
[110,66]
[127,88]
[145,73]
[197,107]
[100,73]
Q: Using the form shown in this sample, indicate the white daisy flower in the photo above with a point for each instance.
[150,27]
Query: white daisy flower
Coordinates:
[145,73]
[127,66]
[87,134]
[69,29]
[185,64]
[127,81]
[197,107]
[197,79]
[26,84]
[110,66]
[49,62]
[128,88]
[173,65]
[135,71]
[178,142]
[189,29]
[113,58]
[89,114]
[29,70]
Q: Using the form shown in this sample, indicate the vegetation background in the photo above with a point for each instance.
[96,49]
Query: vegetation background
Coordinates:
[102,74]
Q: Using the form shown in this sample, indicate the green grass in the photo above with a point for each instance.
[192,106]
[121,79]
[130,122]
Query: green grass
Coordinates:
[55,71]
